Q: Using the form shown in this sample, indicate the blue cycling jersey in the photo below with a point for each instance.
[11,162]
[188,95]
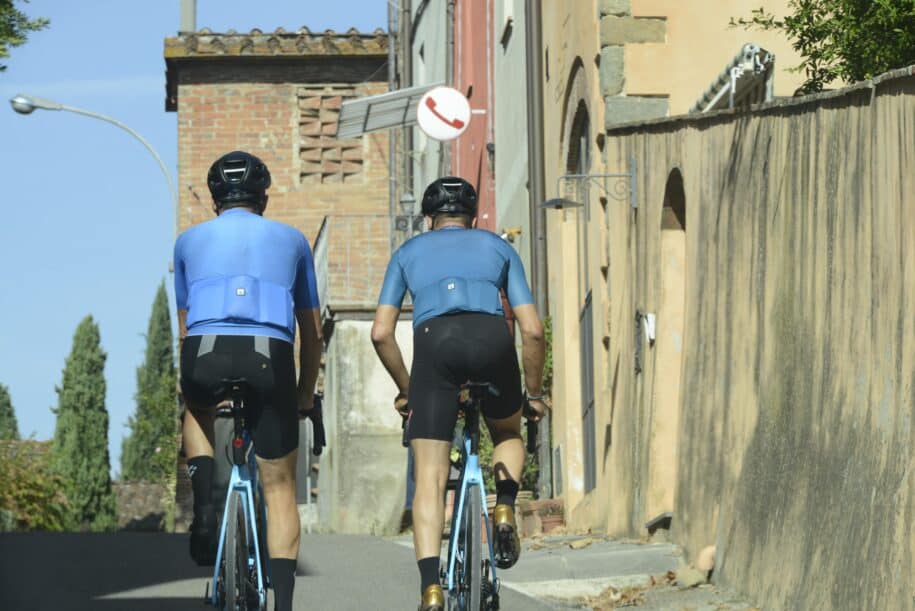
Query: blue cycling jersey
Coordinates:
[242,274]
[455,270]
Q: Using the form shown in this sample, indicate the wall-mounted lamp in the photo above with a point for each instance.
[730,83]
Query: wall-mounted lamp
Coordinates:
[560,203]
[510,234]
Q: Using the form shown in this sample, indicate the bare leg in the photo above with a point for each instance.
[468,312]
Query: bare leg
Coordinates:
[198,432]
[431,467]
[283,531]
[508,448]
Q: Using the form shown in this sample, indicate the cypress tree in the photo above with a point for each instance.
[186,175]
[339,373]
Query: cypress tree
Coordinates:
[9,429]
[80,451]
[150,451]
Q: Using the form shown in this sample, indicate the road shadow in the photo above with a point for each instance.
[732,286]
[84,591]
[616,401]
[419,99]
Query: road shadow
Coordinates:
[76,571]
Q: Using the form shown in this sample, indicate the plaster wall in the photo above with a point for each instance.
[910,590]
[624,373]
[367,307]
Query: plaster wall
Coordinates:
[697,46]
[795,428]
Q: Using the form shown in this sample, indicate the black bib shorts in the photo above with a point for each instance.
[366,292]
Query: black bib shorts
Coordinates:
[268,364]
[450,350]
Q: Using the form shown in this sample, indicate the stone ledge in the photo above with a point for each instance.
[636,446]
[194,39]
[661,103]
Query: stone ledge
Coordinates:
[621,30]
[623,109]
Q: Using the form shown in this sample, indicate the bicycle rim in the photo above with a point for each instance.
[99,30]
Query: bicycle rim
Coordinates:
[471,581]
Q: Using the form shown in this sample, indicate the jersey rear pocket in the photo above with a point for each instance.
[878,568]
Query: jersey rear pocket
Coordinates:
[241,298]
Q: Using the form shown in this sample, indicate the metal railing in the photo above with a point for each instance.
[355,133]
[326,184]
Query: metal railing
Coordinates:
[351,255]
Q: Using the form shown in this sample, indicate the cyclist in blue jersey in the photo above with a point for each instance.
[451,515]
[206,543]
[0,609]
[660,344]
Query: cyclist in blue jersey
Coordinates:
[455,274]
[242,283]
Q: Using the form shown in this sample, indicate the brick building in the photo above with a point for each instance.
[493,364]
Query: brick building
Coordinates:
[278,95]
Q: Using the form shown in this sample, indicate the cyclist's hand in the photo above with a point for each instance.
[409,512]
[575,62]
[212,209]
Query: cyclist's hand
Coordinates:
[538,409]
[400,404]
[306,403]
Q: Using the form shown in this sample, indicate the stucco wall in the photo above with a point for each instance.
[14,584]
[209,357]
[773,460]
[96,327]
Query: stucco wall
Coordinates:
[795,429]
[362,483]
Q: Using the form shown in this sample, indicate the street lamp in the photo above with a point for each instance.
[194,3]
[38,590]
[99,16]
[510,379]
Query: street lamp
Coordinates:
[24,105]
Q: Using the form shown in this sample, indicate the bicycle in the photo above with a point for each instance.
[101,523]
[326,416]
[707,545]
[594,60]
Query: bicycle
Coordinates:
[471,582]
[240,580]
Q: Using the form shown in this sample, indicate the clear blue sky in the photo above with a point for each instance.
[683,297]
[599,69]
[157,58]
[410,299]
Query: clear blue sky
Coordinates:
[88,224]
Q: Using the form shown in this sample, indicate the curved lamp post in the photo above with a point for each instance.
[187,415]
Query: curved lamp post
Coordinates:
[24,105]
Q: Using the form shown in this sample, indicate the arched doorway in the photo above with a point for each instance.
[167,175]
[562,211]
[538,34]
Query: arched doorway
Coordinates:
[671,320]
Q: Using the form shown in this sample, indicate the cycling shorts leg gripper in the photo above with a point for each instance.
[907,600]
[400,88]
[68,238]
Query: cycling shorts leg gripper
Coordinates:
[450,350]
[267,364]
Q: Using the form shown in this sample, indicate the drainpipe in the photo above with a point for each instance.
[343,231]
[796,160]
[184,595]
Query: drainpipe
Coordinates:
[536,189]
[392,135]
[445,147]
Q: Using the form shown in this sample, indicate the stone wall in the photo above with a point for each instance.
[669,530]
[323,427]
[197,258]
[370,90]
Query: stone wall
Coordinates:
[795,438]
[363,470]
[141,505]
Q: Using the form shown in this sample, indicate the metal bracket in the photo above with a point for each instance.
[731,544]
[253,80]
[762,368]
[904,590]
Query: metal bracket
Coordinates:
[617,186]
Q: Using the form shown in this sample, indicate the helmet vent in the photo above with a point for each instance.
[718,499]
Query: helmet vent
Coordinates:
[235,170]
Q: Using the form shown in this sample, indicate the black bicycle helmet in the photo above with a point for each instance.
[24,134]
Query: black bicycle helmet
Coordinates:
[450,195]
[239,177]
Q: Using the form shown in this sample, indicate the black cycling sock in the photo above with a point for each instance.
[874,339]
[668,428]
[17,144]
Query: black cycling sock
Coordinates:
[200,470]
[506,491]
[428,572]
[282,572]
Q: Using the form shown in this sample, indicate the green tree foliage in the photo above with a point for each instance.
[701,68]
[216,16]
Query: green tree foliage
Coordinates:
[9,429]
[843,40]
[80,451]
[15,27]
[30,492]
[150,451]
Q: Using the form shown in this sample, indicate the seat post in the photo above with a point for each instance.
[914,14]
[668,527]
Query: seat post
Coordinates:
[238,442]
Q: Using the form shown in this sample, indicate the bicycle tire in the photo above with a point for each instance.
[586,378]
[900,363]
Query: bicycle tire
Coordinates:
[472,584]
[235,555]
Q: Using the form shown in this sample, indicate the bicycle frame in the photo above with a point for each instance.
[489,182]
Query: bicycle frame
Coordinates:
[244,480]
[471,475]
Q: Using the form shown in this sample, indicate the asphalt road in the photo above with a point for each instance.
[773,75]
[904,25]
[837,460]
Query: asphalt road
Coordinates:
[152,571]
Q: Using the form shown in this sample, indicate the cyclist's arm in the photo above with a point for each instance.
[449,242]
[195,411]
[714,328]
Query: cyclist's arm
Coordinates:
[533,347]
[392,293]
[310,341]
[386,345]
[308,317]
[180,293]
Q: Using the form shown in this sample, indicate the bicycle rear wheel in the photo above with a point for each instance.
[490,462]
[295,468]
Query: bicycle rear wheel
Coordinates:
[471,578]
[234,566]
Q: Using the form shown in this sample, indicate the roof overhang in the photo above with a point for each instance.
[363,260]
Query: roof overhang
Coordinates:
[383,111]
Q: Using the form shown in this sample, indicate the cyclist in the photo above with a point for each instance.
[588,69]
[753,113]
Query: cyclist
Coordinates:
[242,282]
[454,274]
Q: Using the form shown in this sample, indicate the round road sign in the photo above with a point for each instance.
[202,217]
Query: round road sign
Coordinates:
[443,113]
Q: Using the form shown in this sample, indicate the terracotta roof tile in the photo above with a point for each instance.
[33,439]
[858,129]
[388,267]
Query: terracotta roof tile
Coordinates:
[206,43]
